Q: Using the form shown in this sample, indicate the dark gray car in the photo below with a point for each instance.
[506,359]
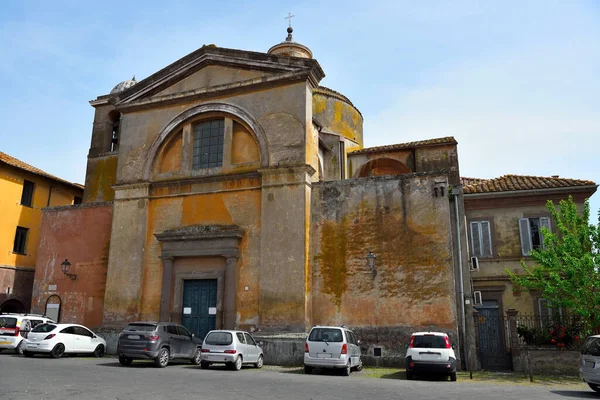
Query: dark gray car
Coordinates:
[158,341]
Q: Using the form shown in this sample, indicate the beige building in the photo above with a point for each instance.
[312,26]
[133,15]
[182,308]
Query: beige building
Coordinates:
[504,217]
[238,194]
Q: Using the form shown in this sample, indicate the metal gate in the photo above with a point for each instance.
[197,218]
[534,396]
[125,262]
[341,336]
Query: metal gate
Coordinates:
[493,337]
[199,306]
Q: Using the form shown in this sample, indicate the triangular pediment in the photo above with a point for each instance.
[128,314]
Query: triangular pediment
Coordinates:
[211,69]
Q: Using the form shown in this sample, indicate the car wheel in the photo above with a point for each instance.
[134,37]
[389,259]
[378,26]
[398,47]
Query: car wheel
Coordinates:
[197,358]
[594,387]
[19,348]
[453,377]
[99,351]
[125,361]
[58,351]
[28,353]
[346,371]
[204,365]
[308,370]
[259,363]
[409,375]
[359,367]
[237,364]
[162,360]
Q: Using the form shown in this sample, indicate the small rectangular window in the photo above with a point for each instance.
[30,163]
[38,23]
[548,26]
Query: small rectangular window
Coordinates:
[27,195]
[20,240]
[208,144]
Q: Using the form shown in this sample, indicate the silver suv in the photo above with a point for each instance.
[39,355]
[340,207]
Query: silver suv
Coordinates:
[15,327]
[332,347]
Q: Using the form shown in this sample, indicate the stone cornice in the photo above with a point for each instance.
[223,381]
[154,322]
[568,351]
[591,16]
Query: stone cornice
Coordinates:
[216,91]
[77,206]
[205,179]
[200,232]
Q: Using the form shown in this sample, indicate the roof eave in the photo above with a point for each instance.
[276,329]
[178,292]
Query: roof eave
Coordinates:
[533,192]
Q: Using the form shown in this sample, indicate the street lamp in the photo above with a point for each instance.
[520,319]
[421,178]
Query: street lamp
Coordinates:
[65,265]
[371,262]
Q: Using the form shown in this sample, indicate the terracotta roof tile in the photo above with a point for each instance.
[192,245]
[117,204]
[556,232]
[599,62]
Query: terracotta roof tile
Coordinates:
[508,183]
[408,145]
[13,162]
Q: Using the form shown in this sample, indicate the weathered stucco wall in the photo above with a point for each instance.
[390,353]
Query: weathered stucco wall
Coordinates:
[100,177]
[337,116]
[80,234]
[16,284]
[409,231]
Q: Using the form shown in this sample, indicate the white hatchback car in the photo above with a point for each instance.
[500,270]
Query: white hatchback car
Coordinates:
[58,339]
[589,362]
[232,348]
[430,352]
[14,328]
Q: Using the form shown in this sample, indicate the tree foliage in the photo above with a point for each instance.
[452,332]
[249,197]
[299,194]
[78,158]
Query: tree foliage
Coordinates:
[566,271]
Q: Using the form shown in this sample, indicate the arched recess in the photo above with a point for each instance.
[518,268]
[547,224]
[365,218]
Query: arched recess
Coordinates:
[53,307]
[12,306]
[382,167]
[176,122]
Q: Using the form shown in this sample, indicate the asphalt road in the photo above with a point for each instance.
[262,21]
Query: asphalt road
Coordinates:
[43,378]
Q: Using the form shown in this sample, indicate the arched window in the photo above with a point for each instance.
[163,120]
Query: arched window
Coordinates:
[115,119]
[383,166]
[53,306]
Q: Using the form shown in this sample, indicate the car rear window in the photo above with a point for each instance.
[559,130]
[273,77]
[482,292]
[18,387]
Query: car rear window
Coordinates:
[8,322]
[591,347]
[326,335]
[219,338]
[140,327]
[44,328]
[429,342]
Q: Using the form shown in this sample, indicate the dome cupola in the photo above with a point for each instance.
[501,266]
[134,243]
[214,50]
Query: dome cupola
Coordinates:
[123,85]
[290,48]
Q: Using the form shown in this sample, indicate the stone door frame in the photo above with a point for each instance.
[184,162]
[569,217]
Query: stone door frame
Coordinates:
[201,241]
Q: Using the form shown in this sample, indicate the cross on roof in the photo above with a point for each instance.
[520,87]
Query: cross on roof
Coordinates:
[289,17]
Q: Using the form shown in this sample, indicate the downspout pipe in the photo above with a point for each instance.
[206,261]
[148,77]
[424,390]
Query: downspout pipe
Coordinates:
[455,193]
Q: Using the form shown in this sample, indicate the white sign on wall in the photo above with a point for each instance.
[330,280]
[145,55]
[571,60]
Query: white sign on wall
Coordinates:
[51,287]
[212,310]
[187,310]
[52,306]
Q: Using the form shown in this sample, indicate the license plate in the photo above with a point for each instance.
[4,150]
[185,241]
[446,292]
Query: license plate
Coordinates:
[323,355]
[32,345]
[133,336]
[5,343]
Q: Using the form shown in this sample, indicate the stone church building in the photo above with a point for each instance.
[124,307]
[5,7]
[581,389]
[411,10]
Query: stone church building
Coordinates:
[230,190]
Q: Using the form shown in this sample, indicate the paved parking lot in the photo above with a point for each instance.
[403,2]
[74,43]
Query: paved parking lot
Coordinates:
[43,378]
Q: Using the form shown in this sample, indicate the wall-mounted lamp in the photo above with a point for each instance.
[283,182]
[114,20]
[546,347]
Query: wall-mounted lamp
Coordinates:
[65,265]
[371,262]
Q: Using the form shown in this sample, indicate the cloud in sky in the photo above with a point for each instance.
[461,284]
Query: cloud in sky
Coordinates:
[515,82]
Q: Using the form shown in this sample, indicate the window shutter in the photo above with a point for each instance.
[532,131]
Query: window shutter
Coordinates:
[544,223]
[486,239]
[526,244]
[475,239]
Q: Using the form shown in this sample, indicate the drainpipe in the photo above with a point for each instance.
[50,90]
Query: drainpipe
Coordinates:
[460,277]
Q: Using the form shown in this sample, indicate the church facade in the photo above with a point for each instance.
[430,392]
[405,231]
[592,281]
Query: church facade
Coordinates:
[230,190]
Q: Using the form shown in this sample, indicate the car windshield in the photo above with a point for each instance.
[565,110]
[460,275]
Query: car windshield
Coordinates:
[591,347]
[219,338]
[429,342]
[140,327]
[326,335]
[8,322]
[44,328]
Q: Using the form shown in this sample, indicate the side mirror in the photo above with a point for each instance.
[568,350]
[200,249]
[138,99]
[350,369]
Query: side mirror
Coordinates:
[94,337]
[406,345]
[260,344]
[453,346]
[358,342]
[193,335]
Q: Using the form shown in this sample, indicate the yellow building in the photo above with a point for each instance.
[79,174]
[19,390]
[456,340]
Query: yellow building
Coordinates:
[24,191]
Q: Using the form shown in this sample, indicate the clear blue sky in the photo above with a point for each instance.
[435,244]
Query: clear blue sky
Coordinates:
[515,82]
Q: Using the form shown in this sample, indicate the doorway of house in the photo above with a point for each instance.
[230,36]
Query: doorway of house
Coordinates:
[199,306]
[492,328]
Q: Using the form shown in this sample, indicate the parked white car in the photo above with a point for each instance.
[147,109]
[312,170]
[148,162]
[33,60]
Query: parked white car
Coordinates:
[59,339]
[430,353]
[14,328]
[589,362]
[232,348]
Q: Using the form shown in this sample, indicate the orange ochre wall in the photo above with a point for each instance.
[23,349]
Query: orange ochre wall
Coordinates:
[408,229]
[240,207]
[80,234]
